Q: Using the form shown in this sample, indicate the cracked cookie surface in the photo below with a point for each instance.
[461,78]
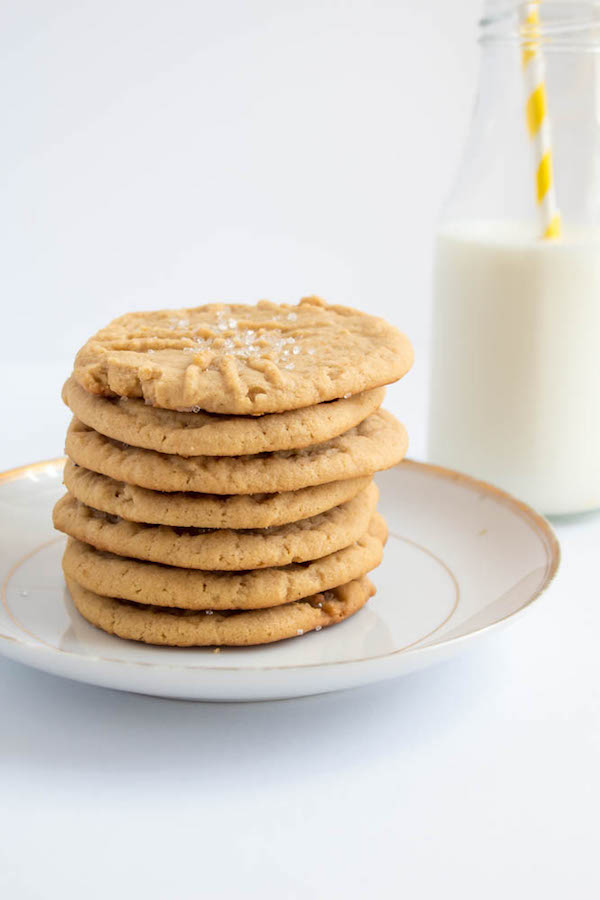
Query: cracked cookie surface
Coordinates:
[243,359]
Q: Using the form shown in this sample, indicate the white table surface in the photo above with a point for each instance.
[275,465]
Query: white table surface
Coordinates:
[478,778]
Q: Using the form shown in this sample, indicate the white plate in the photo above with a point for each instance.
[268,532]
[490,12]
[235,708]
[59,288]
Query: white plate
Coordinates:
[462,557]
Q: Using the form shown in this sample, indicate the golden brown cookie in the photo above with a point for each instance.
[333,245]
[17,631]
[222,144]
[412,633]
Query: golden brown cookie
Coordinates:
[159,585]
[379,442]
[138,504]
[240,359]
[222,549]
[185,628]
[206,434]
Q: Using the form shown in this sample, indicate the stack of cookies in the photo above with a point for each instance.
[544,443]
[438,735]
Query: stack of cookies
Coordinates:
[220,470]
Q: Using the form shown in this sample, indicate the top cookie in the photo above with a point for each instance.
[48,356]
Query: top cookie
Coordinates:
[243,360]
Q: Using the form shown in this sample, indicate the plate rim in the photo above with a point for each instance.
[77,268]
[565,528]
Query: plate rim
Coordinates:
[536,520]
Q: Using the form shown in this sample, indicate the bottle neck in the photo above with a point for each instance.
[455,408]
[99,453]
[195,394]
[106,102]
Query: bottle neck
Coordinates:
[555,26]
[498,178]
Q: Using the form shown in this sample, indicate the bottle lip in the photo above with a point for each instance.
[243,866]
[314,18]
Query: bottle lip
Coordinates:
[563,26]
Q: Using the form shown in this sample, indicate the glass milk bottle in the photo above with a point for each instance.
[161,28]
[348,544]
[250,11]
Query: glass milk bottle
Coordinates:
[515,389]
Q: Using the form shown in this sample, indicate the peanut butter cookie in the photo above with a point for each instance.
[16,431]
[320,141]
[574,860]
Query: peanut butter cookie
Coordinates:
[138,504]
[186,628]
[205,434]
[159,585]
[243,360]
[221,549]
[377,443]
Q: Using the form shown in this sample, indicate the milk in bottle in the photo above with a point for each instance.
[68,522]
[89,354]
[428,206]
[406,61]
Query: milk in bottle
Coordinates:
[516,361]
[515,379]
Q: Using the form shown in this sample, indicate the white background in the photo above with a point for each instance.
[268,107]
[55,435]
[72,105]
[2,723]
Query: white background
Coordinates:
[160,153]
[171,153]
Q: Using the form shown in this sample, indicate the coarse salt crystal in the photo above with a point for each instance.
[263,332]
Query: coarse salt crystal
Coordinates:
[300,631]
[318,627]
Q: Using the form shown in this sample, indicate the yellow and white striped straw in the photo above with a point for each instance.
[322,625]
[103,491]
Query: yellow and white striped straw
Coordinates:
[537,119]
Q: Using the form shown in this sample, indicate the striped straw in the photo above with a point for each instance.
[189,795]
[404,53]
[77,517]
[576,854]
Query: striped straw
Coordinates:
[537,119]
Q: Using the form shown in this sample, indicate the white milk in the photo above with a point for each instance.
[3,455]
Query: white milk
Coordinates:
[515,395]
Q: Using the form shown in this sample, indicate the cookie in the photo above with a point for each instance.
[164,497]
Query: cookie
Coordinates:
[185,628]
[379,442]
[205,434]
[158,585]
[138,504]
[243,360]
[223,549]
